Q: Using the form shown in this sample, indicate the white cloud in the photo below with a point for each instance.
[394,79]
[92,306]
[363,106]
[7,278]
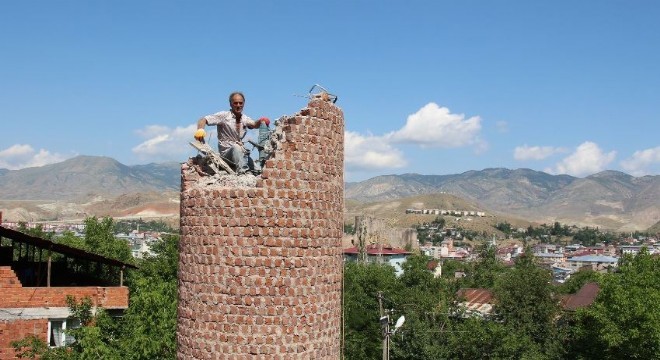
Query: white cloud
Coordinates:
[370,153]
[164,143]
[435,126]
[153,131]
[21,156]
[587,159]
[642,162]
[535,152]
[430,126]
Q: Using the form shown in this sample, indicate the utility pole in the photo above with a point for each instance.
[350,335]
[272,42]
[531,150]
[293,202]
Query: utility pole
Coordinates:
[361,233]
[385,327]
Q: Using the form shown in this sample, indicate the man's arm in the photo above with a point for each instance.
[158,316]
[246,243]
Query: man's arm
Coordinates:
[252,124]
[200,134]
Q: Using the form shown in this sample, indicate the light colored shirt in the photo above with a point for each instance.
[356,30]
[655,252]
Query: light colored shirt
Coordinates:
[230,131]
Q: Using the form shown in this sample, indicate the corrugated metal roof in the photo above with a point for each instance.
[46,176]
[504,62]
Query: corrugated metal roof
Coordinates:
[480,300]
[60,248]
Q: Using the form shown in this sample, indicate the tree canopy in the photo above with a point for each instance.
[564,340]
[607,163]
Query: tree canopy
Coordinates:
[526,321]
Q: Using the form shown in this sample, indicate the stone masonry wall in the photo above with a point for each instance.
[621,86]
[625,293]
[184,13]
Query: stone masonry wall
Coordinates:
[260,268]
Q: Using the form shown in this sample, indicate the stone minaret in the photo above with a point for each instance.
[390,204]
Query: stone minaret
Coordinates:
[260,267]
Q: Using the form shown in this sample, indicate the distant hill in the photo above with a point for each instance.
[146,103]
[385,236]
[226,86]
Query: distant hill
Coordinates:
[655,229]
[610,199]
[395,212]
[84,176]
[93,185]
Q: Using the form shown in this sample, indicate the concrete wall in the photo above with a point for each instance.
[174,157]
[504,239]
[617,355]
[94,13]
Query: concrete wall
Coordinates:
[260,267]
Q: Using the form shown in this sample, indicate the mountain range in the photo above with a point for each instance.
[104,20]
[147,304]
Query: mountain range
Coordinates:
[84,176]
[609,199]
[100,186]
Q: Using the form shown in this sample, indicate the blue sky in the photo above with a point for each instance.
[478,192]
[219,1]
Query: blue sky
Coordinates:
[429,87]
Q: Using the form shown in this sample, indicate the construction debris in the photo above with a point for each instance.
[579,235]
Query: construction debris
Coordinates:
[198,168]
[212,159]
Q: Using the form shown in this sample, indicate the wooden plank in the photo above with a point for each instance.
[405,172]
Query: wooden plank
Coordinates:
[215,158]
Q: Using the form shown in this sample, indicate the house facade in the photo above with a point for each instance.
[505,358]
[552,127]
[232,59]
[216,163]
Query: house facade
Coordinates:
[380,254]
[34,288]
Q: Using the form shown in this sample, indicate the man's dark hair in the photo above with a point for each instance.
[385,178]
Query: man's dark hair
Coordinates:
[236,93]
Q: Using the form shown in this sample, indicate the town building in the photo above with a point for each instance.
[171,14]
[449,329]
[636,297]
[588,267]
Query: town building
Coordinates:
[595,262]
[446,250]
[382,254]
[37,276]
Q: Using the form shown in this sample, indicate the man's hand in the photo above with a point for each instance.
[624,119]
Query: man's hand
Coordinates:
[200,134]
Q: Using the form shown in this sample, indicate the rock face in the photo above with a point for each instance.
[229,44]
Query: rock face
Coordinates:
[260,266]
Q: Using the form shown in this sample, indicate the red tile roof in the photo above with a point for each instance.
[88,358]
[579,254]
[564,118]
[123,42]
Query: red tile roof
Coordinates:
[432,265]
[377,250]
[584,297]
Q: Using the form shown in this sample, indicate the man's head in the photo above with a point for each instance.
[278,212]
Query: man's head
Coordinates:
[236,101]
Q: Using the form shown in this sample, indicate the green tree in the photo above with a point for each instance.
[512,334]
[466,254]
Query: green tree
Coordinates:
[577,280]
[32,347]
[586,236]
[450,267]
[440,222]
[92,340]
[424,301]
[100,239]
[623,322]
[477,338]
[487,269]
[149,329]
[126,226]
[504,227]
[524,300]
[362,283]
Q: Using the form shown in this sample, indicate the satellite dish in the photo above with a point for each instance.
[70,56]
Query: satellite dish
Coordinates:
[399,322]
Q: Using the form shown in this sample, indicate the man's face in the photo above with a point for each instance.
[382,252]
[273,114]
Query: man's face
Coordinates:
[237,103]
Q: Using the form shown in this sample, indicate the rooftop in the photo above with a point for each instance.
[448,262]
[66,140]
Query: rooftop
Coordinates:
[595,258]
[377,250]
[584,297]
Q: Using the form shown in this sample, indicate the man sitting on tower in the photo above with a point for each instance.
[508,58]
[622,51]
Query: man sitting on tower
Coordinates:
[232,126]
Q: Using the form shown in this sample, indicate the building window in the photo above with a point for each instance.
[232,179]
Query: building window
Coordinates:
[57,334]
